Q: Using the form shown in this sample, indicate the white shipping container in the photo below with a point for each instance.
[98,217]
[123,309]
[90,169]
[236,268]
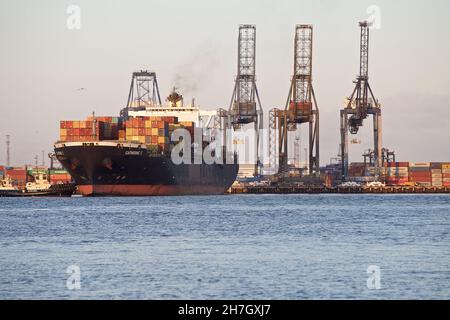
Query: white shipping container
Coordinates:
[420,164]
[400,175]
[446,180]
[446,171]
[373,169]
[436,171]
[436,176]
[424,184]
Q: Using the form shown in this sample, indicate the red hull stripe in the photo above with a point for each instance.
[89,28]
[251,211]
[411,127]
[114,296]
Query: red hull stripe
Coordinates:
[147,190]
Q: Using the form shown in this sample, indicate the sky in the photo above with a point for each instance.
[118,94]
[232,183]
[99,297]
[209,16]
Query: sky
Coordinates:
[43,63]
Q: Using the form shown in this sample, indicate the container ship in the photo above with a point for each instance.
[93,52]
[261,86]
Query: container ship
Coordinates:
[130,155]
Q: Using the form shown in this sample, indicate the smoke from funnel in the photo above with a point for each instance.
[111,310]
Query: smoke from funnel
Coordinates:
[194,73]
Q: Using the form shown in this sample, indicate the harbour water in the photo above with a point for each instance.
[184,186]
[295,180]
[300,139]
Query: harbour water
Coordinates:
[226,247]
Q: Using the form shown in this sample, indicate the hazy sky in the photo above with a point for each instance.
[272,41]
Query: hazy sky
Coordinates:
[42,63]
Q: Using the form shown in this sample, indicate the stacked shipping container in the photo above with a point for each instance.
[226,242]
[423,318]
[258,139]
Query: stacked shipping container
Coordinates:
[397,173]
[436,174]
[59,176]
[155,132]
[446,174]
[103,128]
[18,175]
[147,131]
[420,174]
[357,169]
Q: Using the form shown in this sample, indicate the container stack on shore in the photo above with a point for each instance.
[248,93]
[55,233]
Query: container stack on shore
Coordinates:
[18,175]
[55,176]
[436,174]
[21,175]
[420,173]
[357,169]
[59,176]
[446,174]
[397,173]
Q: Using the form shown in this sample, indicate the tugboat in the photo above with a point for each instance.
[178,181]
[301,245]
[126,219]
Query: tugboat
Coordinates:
[41,187]
[6,187]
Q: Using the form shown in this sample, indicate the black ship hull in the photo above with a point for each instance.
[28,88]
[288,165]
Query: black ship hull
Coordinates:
[127,169]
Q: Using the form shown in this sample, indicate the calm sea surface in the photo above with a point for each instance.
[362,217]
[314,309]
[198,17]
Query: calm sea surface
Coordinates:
[226,247]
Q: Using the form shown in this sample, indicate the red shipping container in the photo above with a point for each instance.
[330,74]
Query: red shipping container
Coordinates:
[17,175]
[16,171]
[420,174]
[398,164]
[420,180]
[446,175]
[60,177]
[170,119]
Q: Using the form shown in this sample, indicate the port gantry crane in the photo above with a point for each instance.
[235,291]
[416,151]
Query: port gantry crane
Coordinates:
[144,92]
[387,156]
[361,104]
[245,106]
[301,106]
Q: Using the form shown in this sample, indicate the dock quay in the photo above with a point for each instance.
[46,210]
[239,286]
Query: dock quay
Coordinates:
[337,190]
